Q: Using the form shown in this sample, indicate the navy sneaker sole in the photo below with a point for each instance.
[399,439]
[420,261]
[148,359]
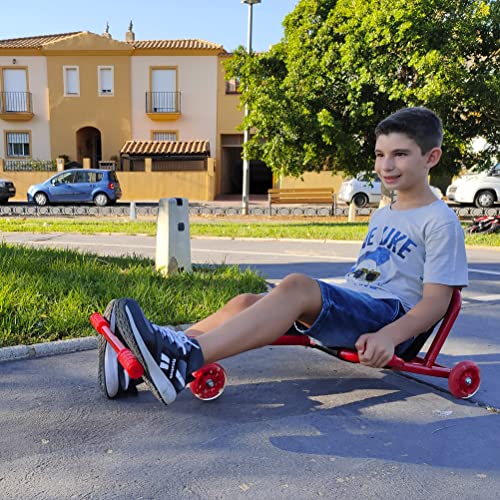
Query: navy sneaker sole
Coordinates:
[131,322]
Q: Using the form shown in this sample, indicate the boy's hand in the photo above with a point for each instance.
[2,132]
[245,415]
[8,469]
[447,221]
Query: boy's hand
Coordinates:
[374,350]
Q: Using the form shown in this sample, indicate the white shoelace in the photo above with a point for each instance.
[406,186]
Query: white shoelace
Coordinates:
[178,338]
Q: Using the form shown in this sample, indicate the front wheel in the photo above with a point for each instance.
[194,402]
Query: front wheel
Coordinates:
[209,382]
[41,199]
[101,200]
[485,199]
[360,200]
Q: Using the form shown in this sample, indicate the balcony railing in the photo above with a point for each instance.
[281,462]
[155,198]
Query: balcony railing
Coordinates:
[163,102]
[15,102]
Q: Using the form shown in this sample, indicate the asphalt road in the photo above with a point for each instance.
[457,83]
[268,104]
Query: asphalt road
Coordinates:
[292,423]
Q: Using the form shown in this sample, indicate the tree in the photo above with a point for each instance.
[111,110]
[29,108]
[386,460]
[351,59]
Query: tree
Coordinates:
[343,65]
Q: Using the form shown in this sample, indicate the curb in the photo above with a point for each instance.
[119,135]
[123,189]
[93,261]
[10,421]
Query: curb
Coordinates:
[19,352]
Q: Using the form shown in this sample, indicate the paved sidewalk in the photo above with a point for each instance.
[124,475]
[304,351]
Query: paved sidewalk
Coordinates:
[293,423]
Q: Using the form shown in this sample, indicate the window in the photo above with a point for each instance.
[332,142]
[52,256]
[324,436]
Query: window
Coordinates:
[65,178]
[233,86]
[71,80]
[164,135]
[18,144]
[164,95]
[105,77]
[15,97]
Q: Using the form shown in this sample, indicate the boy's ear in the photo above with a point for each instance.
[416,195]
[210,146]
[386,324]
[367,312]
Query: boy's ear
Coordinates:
[433,156]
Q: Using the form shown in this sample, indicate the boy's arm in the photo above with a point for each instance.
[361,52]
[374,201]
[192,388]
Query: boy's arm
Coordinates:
[376,349]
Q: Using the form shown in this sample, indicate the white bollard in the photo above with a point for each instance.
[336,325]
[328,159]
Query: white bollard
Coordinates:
[352,212]
[173,245]
[133,214]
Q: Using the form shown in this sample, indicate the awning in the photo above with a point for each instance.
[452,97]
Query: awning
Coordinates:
[166,148]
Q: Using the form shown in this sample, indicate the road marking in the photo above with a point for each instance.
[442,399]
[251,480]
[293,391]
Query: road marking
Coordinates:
[481,271]
[275,254]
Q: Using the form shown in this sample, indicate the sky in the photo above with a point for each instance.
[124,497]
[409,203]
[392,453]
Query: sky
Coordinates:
[219,21]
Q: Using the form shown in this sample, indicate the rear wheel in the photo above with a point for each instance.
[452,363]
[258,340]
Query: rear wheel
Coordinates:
[464,379]
[101,200]
[360,200]
[485,199]
[41,199]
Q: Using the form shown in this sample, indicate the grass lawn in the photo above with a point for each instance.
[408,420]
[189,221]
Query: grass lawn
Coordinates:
[249,228]
[50,294]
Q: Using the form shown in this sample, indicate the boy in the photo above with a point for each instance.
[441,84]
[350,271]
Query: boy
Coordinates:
[401,285]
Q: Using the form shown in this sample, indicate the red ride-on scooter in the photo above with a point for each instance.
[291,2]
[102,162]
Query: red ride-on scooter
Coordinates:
[463,379]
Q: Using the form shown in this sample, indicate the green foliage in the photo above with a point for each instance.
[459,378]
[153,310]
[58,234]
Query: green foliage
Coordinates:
[343,65]
[50,294]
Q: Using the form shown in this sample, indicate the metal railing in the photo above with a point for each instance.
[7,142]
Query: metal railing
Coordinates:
[163,102]
[16,102]
[29,165]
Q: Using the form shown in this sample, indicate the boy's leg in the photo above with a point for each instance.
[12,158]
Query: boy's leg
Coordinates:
[169,359]
[297,297]
[232,308]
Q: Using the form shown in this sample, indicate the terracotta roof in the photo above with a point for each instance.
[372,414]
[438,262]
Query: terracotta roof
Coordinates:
[34,42]
[176,44]
[171,148]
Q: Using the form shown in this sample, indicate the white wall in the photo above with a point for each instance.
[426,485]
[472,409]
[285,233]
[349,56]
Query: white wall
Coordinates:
[39,124]
[197,82]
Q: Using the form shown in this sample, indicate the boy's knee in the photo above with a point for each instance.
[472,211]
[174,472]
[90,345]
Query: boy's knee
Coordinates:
[244,301]
[297,282]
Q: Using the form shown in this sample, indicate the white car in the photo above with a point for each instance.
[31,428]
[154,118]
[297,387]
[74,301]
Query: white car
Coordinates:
[365,190]
[362,190]
[482,189]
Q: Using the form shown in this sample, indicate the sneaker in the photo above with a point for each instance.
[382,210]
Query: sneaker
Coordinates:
[169,357]
[113,380]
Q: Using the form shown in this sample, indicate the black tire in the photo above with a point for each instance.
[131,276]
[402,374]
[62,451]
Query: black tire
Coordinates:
[101,200]
[41,199]
[360,200]
[485,198]
[494,228]
[3,201]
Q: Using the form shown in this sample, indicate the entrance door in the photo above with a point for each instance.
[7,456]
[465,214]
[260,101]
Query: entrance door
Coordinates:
[88,145]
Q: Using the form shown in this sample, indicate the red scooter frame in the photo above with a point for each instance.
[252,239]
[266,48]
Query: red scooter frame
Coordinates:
[209,381]
[463,379]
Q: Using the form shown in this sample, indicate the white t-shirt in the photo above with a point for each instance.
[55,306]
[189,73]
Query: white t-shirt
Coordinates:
[405,249]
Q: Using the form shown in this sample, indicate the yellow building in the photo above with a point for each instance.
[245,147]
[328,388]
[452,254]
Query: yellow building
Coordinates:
[159,110]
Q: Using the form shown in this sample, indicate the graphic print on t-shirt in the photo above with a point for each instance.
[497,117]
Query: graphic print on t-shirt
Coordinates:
[381,251]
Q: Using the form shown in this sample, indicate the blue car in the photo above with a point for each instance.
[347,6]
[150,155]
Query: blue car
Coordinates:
[77,186]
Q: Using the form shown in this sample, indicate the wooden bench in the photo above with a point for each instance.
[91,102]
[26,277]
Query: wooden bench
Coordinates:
[302,195]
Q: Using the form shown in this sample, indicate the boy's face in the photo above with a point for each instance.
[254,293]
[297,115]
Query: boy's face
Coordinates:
[400,164]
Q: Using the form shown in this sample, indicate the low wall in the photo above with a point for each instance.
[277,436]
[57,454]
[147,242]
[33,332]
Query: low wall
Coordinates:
[136,186]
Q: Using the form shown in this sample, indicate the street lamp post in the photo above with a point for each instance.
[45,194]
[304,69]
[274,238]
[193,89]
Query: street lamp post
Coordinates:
[246,133]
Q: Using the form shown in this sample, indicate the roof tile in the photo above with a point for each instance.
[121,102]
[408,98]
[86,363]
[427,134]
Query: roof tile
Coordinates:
[34,42]
[167,148]
[175,44]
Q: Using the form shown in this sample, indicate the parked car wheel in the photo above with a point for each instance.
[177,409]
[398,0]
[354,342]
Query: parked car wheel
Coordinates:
[101,200]
[41,199]
[484,199]
[360,200]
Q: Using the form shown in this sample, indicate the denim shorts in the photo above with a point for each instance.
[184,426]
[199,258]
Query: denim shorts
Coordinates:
[347,314]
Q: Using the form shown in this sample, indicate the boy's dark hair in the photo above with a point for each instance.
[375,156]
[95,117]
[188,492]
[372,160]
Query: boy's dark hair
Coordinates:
[419,123]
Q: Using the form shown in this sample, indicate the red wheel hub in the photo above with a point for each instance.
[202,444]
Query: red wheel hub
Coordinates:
[209,382]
